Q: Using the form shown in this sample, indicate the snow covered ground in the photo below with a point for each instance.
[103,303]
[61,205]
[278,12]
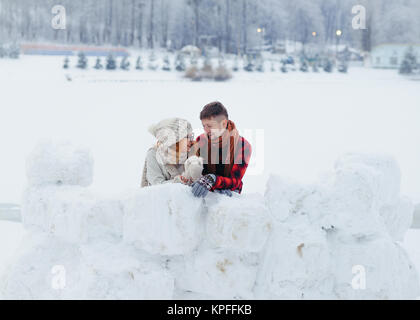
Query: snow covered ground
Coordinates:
[308,119]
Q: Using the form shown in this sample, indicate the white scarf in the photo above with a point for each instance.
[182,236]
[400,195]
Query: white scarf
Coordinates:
[167,156]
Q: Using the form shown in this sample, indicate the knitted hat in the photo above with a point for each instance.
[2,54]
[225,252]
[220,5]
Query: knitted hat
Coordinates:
[170,131]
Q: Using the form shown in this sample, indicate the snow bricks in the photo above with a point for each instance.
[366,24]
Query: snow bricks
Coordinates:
[338,238]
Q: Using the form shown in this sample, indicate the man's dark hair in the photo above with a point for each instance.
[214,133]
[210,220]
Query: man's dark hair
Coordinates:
[214,109]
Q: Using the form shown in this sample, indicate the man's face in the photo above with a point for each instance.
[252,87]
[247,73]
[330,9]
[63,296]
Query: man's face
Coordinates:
[214,127]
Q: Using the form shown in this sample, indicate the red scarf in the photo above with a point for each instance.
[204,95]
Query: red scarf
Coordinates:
[230,137]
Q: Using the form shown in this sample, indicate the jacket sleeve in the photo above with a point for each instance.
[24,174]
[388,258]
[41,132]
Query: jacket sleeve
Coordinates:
[234,182]
[154,173]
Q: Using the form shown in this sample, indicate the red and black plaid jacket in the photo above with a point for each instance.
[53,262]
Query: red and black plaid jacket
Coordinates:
[242,157]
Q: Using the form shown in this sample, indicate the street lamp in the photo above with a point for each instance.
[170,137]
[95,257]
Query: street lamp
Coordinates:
[314,34]
[338,33]
[261,32]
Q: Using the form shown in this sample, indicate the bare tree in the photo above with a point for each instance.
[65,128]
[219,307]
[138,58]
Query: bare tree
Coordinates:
[245,24]
[224,23]
[195,4]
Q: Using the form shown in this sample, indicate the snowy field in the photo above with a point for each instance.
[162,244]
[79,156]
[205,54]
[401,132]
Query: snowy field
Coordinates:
[308,120]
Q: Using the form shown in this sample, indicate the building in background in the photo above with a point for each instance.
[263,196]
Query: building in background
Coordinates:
[391,55]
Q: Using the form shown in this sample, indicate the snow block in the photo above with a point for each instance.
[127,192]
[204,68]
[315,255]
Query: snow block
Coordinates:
[43,266]
[334,239]
[296,264]
[238,223]
[165,219]
[124,273]
[340,230]
[357,187]
[218,273]
[368,190]
[284,196]
[52,269]
[372,268]
[71,213]
[59,163]
[398,217]
[388,174]
[354,200]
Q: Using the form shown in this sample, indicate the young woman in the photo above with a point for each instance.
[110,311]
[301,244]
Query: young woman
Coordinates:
[165,161]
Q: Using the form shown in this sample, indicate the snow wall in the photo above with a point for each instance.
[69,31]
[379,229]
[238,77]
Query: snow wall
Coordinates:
[336,239]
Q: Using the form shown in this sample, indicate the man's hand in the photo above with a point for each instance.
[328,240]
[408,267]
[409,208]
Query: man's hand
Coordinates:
[226,192]
[201,188]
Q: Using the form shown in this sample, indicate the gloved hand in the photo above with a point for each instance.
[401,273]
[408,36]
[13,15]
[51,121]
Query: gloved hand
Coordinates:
[226,192]
[202,187]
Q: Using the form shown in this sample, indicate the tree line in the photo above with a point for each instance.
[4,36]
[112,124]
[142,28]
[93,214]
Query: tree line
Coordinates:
[234,26]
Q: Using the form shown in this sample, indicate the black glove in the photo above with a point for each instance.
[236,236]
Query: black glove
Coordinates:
[202,187]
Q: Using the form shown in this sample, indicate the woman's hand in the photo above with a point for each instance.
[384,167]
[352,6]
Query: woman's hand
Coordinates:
[183,180]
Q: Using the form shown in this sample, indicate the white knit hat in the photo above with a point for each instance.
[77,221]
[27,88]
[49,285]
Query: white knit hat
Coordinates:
[170,131]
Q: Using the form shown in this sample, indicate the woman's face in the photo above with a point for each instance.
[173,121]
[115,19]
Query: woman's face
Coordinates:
[184,145]
[184,148]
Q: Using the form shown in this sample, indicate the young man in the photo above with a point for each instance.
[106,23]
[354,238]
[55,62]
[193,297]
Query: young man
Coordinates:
[226,155]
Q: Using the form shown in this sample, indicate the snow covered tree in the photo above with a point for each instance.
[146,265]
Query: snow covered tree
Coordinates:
[284,67]
[273,66]
[152,65]
[66,63]
[193,60]
[166,64]
[249,64]
[342,66]
[110,62]
[207,70]
[180,63]
[409,64]
[82,61]
[342,60]
[260,65]
[139,63]
[14,51]
[125,64]
[328,65]
[235,67]
[222,73]
[304,65]
[98,64]
[193,73]
[313,62]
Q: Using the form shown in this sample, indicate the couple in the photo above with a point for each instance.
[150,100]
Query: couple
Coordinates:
[223,153]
